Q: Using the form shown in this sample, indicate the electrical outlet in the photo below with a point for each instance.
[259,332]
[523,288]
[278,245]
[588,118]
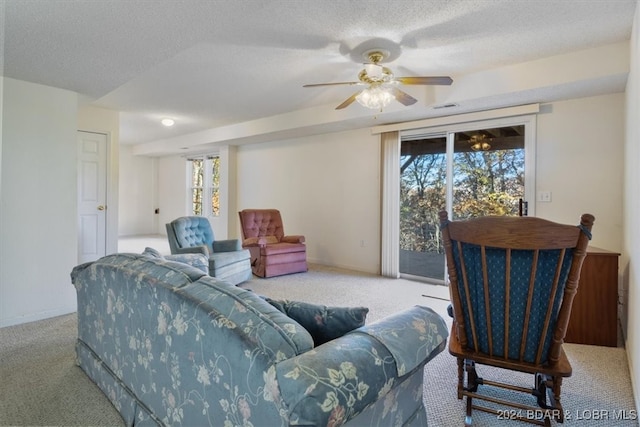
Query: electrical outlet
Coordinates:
[544,196]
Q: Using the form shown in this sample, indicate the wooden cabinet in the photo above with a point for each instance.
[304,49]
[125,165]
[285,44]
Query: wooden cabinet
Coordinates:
[594,316]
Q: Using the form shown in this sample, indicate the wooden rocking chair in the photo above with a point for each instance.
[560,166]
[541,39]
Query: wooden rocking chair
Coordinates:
[512,283]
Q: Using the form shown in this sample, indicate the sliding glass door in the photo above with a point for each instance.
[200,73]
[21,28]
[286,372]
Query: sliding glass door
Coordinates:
[471,171]
[423,177]
[488,172]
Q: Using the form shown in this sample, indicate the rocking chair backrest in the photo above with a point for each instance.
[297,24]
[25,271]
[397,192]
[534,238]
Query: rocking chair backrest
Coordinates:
[512,283]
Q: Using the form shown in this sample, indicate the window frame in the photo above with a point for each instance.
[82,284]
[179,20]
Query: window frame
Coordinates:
[391,136]
[210,187]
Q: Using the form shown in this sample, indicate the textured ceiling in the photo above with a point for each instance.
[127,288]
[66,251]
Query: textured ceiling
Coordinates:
[214,63]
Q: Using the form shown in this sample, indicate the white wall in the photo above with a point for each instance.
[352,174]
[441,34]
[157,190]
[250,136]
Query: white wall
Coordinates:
[101,120]
[172,190]
[2,6]
[173,197]
[330,187]
[579,150]
[630,265]
[138,194]
[38,214]
[326,187]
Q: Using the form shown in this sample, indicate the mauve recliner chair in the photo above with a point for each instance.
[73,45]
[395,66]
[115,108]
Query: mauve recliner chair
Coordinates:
[272,252]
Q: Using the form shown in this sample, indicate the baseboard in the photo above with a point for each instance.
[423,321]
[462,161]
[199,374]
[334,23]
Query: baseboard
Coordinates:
[32,317]
[343,266]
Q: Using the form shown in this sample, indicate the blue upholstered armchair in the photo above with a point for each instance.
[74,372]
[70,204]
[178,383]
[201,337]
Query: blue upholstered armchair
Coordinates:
[227,260]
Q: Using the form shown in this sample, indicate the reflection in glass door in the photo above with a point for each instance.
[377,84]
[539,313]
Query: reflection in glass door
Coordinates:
[423,173]
[488,172]
[487,175]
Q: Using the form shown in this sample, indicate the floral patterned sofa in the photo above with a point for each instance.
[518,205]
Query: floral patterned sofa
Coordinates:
[170,345]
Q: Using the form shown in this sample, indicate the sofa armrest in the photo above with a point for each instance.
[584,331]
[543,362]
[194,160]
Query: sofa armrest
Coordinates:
[409,335]
[229,245]
[293,239]
[336,381]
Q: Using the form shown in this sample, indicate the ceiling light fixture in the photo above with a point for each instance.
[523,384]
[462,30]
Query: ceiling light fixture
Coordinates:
[381,85]
[448,105]
[479,143]
[168,122]
[375,97]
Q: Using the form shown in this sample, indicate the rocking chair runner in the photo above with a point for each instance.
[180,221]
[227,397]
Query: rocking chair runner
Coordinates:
[512,283]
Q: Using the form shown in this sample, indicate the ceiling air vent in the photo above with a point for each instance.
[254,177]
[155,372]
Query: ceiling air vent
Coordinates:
[449,105]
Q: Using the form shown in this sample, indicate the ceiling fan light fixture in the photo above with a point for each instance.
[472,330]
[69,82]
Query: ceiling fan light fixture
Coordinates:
[374,71]
[479,143]
[381,85]
[167,122]
[481,146]
[375,97]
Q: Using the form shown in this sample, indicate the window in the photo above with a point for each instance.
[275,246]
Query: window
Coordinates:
[204,186]
[477,171]
[452,127]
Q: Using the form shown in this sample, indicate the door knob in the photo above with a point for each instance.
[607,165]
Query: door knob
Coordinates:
[102,207]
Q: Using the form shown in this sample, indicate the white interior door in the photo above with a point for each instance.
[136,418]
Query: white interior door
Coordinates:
[92,196]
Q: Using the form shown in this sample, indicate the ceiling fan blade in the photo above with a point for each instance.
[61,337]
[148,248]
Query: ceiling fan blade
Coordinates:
[437,80]
[348,101]
[332,84]
[403,97]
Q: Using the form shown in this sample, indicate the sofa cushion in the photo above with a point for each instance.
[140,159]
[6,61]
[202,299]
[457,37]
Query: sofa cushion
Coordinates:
[323,323]
[153,253]
[249,316]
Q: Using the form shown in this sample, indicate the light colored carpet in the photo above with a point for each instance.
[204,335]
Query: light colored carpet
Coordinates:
[597,394]
[40,384]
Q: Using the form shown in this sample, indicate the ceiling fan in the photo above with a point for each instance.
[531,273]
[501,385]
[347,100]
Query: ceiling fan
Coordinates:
[381,85]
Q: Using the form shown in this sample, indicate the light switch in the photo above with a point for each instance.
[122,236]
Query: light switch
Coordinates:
[544,196]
